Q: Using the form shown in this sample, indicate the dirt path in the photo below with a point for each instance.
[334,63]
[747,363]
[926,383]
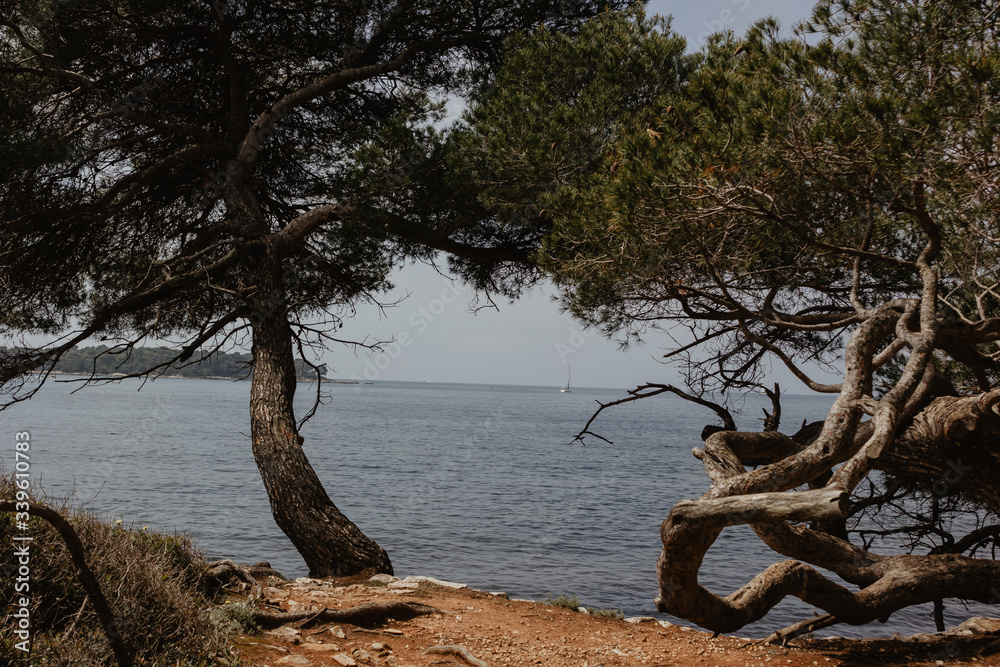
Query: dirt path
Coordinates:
[496,631]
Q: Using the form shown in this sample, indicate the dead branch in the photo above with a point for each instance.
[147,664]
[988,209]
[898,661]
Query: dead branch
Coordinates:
[87,579]
[654,390]
[794,630]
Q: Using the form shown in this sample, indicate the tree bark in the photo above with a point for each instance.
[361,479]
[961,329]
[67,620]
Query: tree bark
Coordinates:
[328,541]
[953,445]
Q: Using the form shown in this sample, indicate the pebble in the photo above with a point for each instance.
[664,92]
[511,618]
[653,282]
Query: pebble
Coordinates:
[295,661]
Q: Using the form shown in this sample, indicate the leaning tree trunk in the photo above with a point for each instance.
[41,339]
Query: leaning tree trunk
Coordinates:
[328,541]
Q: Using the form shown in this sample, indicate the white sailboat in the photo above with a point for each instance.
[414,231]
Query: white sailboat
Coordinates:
[569,382]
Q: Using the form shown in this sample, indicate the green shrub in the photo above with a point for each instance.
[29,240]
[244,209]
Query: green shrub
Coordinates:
[607,612]
[236,618]
[564,601]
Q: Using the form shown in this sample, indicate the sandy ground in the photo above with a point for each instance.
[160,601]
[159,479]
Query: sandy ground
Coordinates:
[494,630]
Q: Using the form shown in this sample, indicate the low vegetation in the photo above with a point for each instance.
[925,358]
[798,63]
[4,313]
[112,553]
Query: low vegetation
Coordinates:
[155,584]
[573,603]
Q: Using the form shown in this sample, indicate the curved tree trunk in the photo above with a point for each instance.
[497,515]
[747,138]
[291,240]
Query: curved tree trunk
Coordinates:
[832,464]
[328,541]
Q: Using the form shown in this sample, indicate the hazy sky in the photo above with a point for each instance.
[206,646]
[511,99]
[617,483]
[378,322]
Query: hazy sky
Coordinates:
[528,342]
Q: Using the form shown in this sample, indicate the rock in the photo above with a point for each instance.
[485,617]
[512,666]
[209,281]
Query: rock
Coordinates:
[583,610]
[272,593]
[378,646]
[640,619]
[337,632]
[404,585]
[498,594]
[384,579]
[363,656]
[344,660]
[285,631]
[295,661]
[295,606]
[306,581]
[980,625]
[325,648]
[436,582]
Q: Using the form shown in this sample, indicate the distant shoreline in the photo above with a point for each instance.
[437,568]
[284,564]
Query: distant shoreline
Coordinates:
[121,376]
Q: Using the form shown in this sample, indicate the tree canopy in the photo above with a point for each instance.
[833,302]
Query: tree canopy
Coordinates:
[211,173]
[826,198]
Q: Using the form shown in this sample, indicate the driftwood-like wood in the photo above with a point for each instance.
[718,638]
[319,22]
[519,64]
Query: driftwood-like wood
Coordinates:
[365,616]
[832,462]
[818,505]
[87,579]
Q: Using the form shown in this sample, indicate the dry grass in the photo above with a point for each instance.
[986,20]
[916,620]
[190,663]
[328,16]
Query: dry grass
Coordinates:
[154,583]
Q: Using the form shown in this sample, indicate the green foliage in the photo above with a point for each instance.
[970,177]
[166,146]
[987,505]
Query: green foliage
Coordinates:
[735,196]
[557,109]
[235,618]
[573,604]
[159,153]
[565,601]
[606,612]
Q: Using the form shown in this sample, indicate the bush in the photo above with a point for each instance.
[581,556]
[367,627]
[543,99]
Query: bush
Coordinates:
[608,612]
[573,603]
[236,618]
[153,582]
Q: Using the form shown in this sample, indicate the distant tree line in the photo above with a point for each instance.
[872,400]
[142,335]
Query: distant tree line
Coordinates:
[103,360]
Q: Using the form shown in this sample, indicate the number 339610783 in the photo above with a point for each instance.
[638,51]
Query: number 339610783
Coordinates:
[21,467]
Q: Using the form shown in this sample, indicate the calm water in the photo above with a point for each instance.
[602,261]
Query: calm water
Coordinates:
[470,483]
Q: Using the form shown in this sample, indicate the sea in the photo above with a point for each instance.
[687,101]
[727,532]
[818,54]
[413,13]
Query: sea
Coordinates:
[472,483]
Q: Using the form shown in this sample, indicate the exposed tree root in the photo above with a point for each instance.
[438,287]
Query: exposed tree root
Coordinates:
[975,637]
[461,651]
[225,571]
[365,616]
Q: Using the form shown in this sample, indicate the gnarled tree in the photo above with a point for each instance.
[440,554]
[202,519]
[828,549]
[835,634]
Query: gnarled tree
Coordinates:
[209,172]
[823,199]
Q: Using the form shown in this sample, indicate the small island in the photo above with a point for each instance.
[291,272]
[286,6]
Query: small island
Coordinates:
[105,361]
